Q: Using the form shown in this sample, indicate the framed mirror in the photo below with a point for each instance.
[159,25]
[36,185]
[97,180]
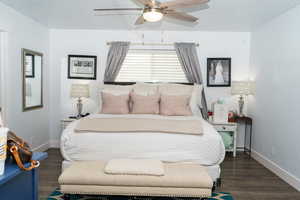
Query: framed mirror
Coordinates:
[32,73]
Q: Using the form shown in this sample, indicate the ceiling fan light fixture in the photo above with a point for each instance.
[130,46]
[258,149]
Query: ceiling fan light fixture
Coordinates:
[152,15]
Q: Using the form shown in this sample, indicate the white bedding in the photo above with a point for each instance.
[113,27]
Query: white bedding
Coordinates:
[207,149]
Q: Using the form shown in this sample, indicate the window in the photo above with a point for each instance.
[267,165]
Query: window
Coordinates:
[151,66]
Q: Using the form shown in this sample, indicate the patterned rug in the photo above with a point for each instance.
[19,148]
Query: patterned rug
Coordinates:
[57,195]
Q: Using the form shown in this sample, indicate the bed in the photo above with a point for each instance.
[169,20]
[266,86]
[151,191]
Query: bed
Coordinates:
[207,149]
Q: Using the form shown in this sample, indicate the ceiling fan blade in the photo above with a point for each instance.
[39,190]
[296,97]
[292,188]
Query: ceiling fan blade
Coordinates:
[119,9]
[182,3]
[140,21]
[149,3]
[181,16]
[116,14]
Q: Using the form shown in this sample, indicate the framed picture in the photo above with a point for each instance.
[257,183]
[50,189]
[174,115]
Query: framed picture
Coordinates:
[29,66]
[82,67]
[218,72]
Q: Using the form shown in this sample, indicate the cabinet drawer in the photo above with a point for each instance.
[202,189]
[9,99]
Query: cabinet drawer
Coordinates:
[225,128]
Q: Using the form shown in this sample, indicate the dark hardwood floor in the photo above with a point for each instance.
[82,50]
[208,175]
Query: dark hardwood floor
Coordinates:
[243,177]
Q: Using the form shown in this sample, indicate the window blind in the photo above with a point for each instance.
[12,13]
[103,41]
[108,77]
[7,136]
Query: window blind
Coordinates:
[144,65]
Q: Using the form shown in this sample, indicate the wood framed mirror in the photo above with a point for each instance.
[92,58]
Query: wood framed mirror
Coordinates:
[32,75]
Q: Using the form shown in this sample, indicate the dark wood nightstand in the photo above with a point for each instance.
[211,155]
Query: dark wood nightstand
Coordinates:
[248,123]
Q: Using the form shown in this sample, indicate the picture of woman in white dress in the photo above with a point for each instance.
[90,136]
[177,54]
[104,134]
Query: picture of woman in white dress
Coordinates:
[218,72]
[219,79]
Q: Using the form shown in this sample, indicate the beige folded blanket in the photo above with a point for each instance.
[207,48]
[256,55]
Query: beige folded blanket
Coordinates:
[192,126]
[134,167]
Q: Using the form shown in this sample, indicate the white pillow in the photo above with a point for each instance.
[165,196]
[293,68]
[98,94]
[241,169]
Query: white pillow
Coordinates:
[117,89]
[145,89]
[175,89]
[196,99]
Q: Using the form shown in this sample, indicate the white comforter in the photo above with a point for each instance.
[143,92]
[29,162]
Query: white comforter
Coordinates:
[207,149]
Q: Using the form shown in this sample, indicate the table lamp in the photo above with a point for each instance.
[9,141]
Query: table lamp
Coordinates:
[242,88]
[79,91]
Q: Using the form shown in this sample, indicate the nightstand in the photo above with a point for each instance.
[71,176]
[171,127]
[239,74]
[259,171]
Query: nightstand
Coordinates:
[228,131]
[66,122]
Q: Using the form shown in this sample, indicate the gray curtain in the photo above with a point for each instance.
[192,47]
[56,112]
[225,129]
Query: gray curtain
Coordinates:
[189,60]
[115,58]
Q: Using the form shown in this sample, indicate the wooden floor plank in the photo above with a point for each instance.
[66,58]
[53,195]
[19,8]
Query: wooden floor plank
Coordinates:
[242,176]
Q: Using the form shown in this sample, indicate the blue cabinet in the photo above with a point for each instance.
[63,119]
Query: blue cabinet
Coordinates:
[16,184]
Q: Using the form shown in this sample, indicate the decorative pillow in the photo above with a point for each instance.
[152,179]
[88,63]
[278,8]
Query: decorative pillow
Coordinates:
[115,90]
[172,105]
[193,91]
[144,104]
[115,104]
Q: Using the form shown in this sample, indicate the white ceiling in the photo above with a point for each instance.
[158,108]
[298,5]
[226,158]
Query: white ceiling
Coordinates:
[217,15]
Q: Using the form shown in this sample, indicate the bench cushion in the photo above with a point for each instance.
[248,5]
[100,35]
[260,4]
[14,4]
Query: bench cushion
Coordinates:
[88,177]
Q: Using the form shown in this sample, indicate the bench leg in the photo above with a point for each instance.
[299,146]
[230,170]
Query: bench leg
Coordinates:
[67,196]
[219,182]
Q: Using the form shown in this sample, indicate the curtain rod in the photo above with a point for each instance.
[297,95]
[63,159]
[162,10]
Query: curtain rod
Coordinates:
[152,44]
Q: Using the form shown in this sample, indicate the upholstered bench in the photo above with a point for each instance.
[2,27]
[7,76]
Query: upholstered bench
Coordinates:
[179,180]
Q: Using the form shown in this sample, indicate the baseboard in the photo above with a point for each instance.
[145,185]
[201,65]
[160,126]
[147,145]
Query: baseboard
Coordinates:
[42,147]
[282,173]
[55,144]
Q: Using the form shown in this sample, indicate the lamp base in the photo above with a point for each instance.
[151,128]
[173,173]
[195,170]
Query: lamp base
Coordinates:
[241,106]
[79,108]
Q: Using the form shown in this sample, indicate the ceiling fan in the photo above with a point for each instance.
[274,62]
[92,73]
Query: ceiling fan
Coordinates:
[154,11]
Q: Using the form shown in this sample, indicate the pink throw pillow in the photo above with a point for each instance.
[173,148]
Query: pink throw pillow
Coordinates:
[115,104]
[174,105]
[144,104]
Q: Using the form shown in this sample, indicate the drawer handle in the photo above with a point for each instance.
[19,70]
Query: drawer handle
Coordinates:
[224,127]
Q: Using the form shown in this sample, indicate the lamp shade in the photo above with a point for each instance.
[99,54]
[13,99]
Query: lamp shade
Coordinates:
[243,88]
[80,90]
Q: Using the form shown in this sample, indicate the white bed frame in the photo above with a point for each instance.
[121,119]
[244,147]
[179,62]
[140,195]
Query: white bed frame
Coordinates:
[214,171]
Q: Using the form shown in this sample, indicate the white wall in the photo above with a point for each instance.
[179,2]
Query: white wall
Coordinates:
[23,32]
[275,64]
[93,42]
[1,70]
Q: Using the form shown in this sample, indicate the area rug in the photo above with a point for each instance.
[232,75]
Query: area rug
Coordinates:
[57,195]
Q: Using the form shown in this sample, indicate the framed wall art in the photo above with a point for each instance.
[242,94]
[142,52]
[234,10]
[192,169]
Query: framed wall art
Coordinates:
[218,72]
[82,67]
